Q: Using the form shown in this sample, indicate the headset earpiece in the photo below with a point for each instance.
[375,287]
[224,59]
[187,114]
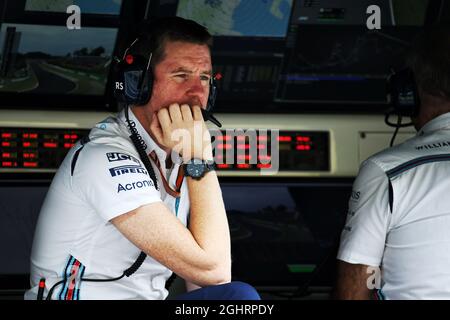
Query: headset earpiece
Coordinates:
[212,95]
[213,91]
[404,95]
[134,79]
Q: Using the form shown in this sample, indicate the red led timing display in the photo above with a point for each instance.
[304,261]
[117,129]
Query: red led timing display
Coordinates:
[23,148]
[287,151]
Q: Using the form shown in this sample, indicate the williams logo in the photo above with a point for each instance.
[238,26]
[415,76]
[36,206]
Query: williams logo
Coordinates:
[117,156]
[134,185]
[117,171]
[434,145]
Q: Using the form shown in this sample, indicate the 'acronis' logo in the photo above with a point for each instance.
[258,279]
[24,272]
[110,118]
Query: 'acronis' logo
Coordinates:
[134,185]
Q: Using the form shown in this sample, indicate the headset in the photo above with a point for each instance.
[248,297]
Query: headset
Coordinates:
[134,82]
[403,96]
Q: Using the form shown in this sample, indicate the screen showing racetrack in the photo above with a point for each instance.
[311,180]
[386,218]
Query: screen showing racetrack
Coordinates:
[256,18]
[45,59]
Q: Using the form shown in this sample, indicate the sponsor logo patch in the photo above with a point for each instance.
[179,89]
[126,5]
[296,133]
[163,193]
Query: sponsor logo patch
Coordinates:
[117,156]
[134,185]
[441,144]
[122,170]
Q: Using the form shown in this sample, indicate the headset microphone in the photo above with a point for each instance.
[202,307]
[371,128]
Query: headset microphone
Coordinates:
[207,114]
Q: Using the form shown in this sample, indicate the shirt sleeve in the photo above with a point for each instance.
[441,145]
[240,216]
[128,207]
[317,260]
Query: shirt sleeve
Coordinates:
[113,181]
[368,218]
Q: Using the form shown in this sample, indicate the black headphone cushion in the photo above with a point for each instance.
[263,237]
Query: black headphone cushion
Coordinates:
[133,81]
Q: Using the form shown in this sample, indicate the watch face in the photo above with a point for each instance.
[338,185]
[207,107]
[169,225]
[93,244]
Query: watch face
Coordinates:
[195,170]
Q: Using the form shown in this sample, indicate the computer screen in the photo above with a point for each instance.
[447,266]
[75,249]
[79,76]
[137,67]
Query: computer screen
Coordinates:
[285,234]
[20,205]
[86,6]
[53,60]
[258,18]
[46,64]
[248,46]
[333,57]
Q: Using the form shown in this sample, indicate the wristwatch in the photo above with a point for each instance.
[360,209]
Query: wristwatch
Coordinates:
[196,168]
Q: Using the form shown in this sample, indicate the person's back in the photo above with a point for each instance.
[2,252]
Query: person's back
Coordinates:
[399,212]
[410,231]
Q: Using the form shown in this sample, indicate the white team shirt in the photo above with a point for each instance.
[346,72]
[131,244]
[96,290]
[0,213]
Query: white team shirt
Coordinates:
[74,231]
[399,215]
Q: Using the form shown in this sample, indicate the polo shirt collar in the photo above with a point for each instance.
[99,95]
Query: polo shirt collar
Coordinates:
[150,144]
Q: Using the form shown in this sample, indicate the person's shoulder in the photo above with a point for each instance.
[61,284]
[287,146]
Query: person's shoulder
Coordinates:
[111,131]
[107,144]
[110,134]
[389,158]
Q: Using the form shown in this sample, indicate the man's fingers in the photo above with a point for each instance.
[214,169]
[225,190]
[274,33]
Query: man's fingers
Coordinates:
[186,112]
[180,123]
[175,113]
[197,112]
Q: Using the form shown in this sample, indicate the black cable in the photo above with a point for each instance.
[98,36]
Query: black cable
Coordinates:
[208,116]
[140,146]
[134,267]
[397,125]
[50,293]
[393,124]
